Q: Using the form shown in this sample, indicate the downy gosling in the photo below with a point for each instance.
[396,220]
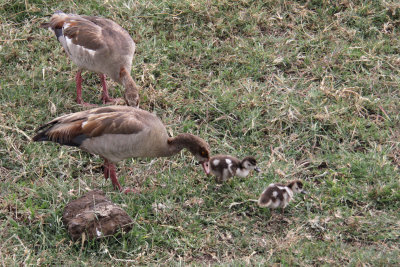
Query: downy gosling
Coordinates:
[279,195]
[224,166]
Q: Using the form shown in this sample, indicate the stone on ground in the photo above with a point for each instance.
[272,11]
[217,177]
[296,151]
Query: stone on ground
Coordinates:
[94,216]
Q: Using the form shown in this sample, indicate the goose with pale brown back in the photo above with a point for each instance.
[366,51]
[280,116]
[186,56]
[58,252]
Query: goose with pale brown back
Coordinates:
[99,45]
[119,132]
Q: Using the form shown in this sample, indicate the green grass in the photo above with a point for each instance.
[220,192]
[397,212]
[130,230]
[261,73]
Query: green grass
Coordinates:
[310,88]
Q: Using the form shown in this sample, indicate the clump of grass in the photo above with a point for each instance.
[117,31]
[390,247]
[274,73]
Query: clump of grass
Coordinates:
[308,87]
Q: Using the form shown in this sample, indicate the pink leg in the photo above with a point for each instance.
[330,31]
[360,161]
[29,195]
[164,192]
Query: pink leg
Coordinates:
[106,170]
[113,176]
[78,80]
[105,97]
[109,172]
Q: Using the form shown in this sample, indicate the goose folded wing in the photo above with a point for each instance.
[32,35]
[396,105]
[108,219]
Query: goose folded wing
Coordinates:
[84,33]
[72,30]
[73,131]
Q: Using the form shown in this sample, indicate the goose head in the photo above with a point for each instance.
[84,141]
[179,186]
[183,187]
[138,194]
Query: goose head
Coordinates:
[197,146]
[200,150]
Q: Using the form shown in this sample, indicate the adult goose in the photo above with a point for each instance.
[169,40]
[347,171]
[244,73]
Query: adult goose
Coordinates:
[120,132]
[99,45]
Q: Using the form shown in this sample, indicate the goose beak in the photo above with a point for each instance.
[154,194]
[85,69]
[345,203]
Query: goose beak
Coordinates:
[205,166]
[256,169]
[303,192]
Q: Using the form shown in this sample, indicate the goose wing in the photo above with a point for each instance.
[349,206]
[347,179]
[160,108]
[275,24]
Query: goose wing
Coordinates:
[77,34]
[73,129]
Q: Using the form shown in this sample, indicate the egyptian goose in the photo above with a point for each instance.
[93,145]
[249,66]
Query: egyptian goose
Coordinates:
[120,132]
[279,195]
[99,45]
[224,167]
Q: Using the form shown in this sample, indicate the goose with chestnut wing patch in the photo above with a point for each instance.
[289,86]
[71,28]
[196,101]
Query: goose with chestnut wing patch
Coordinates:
[119,132]
[99,45]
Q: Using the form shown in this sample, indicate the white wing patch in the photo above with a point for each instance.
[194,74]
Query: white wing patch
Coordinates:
[228,161]
[275,193]
[98,232]
[216,162]
[78,48]
[68,41]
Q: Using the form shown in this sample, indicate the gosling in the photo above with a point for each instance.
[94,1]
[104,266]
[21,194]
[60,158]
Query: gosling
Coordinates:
[279,195]
[224,166]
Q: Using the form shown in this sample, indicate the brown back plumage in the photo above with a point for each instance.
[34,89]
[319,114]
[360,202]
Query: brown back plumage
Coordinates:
[91,32]
[72,129]
[118,132]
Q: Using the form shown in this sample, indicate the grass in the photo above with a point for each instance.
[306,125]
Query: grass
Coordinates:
[310,88]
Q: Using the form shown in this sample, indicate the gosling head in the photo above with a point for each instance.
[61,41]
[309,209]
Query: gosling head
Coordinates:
[296,186]
[250,163]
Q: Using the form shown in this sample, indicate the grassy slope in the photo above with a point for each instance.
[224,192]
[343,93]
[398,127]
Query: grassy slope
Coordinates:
[310,88]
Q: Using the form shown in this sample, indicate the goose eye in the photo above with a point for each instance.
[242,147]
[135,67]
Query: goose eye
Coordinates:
[203,153]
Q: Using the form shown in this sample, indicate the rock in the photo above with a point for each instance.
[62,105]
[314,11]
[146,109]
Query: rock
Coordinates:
[95,216]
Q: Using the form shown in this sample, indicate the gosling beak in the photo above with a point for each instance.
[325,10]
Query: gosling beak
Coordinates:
[303,192]
[205,166]
[256,169]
